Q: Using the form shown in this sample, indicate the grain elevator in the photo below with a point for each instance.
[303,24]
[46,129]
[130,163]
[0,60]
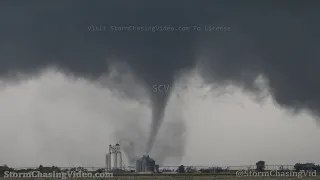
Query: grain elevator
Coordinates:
[145,164]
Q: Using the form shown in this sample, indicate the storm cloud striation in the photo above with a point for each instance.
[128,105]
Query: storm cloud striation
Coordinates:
[276,40]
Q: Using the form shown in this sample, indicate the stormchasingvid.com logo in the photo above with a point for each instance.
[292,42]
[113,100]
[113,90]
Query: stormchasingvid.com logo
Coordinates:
[62,175]
[276,173]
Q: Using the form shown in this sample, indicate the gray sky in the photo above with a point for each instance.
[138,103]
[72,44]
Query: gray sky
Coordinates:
[53,119]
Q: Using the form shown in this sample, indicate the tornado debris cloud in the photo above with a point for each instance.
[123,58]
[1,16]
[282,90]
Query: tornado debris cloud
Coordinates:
[276,40]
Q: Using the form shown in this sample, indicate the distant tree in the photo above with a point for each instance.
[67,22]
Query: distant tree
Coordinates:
[206,170]
[211,170]
[99,171]
[73,169]
[181,169]
[55,169]
[260,166]
[5,168]
[227,169]
[218,169]
[166,170]
[281,168]
[191,169]
[81,169]
[41,168]
[317,167]
[310,166]
[51,169]
[305,166]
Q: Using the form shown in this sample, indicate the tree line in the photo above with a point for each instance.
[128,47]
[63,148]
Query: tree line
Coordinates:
[260,167]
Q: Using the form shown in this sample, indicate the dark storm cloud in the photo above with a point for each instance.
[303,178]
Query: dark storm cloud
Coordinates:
[276,39]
